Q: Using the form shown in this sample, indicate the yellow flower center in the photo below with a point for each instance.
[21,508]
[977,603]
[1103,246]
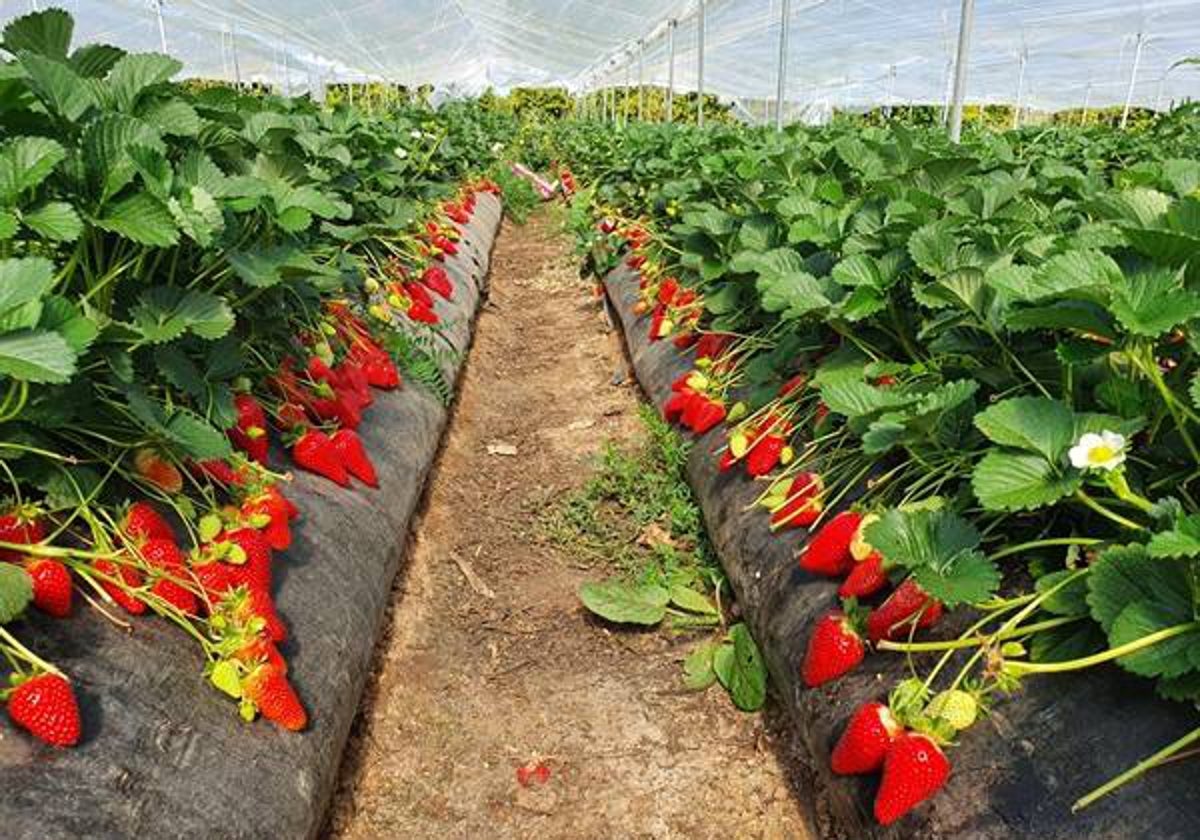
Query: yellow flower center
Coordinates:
[1100,454]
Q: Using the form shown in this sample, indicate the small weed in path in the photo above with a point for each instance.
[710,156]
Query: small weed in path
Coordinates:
[638,518]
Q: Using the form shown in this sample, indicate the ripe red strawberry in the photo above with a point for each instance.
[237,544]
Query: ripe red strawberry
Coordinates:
[132,579]
[45,705]
[707,416]
[679,404]
[728,459]
[381,372]
[277,531]
[293,512]
[51,586]
[262,605]
[834,649]
[828,552]
[259,650]
[353,454]
[436,278]
[143,522]
[222,472]
[418,311]
[419,294]
[23,527]
[352,377]
[764,455]
[176,595]
[271,693]
[866,578]
[914,770]
[157,470]
[314,452]
[894,617]
[163,554]
[255,573]
[215,580]
[317,370]
[803,504]
[290,416]
[249,434]
[863,745]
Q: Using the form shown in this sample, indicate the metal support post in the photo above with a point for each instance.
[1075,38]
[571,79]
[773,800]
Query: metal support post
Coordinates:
[785,20]
[1020,90]
[162,29]
[965,22]
[641,81]
[672,24]
[700,21]
[1137,61]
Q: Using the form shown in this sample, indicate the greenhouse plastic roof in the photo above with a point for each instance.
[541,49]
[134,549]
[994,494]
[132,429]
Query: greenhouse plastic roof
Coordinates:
[843,53]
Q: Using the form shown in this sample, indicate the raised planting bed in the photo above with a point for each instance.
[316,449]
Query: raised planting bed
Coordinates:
[163,754]
[1015,774]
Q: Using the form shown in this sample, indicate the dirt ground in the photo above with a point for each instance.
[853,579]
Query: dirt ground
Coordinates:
[489,662]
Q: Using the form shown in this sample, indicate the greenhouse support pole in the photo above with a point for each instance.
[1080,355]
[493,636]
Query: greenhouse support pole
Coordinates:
[671,24]
[1137,60]
[949,91]
[237,67]
[700,66]
[287,74]
[1087,104]
[1020,90]
[891,90]
[785,20]
[625,102]
[960,69]
[162,29]
[641,81]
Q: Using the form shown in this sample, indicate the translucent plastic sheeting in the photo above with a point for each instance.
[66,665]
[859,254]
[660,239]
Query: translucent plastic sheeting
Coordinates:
[861,53]
[843,53]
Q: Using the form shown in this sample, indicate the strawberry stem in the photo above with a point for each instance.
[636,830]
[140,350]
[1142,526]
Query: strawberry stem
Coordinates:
[1020,668]
[971,641]
[1138,769]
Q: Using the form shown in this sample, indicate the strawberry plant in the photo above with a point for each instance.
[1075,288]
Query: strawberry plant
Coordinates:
[969,370]
[189,274]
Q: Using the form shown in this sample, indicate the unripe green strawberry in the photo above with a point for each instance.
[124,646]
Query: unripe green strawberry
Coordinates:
[957,708]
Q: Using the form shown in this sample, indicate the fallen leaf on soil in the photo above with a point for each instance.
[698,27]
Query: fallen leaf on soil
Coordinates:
[506,449]
[655,535]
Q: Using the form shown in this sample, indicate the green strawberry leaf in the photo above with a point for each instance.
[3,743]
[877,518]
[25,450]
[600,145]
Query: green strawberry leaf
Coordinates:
[940,548]
[698,672]
[689,599]
[740,668]
[626,603]
[16,591]
[1035,424]
[1016,481]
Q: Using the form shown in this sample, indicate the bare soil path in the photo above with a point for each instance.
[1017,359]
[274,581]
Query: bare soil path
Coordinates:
[489,662]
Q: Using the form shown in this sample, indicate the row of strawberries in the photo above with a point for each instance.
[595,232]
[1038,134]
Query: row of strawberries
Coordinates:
[895,737]
[221,590]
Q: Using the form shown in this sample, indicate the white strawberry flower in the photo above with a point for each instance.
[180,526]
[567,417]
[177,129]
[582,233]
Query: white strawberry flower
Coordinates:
[401,152]
[1103,451]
